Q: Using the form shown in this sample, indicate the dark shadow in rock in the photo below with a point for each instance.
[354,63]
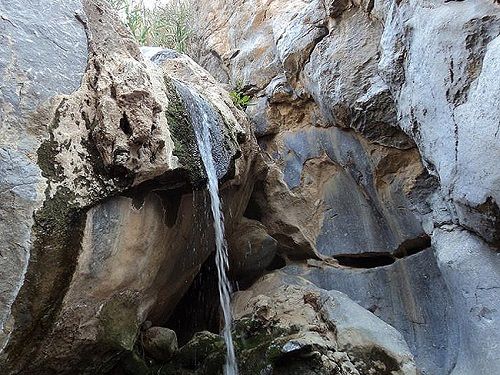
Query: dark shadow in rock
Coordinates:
[198,310]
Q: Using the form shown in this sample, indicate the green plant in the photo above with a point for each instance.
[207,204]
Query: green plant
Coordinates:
[167,25]
[239,98]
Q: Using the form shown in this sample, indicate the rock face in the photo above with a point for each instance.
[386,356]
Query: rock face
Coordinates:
[382,121]
[367,173]
[100,185]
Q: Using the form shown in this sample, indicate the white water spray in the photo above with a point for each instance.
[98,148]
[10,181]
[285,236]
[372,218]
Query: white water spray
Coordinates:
[221,258]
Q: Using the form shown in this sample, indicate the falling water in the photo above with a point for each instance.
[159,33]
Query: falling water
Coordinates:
[221,258]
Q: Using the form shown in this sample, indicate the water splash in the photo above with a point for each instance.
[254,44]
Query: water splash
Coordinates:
[221,258]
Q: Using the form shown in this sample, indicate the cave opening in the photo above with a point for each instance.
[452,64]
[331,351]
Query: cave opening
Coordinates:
[199,308]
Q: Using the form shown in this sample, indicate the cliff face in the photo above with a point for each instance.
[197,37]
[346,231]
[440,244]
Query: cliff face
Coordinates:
[382,119]
[359,190]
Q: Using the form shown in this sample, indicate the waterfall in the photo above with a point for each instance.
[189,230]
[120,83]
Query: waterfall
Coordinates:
[221,258]
[206,128]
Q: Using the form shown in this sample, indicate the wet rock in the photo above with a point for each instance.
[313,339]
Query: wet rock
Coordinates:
[160,343]
[199,348]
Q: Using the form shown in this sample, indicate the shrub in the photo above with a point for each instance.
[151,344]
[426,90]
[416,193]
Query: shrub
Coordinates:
[164,25]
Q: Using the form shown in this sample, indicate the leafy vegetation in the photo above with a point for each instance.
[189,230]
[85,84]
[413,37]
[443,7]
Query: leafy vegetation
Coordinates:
[165,25]
[240,99]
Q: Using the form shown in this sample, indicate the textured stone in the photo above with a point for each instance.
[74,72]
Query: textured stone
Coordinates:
[87,240]
[160,343]
[410,295]
[465,38]
[381,119]
[35,65]
[471,269]
[303,319]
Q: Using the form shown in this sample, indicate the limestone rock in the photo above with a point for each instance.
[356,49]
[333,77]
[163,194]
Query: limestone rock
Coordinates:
[97,173]
[160,343]
[419,308]
[27,83]
[252,249]
[308,329]
[380,123]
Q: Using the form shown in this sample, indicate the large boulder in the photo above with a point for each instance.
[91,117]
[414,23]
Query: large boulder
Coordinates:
[286,325]
[101,185]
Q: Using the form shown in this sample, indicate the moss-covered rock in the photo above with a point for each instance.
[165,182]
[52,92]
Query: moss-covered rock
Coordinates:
[182,133]
[160,343]
[119,324]
[199,348]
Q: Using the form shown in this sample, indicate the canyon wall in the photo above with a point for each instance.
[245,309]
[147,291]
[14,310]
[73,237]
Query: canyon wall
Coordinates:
[382,118]
[359,189]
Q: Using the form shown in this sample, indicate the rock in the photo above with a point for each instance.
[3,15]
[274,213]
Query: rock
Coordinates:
[98,160]
[290,324]
[286,325]
[421,307]
[380,121]
[160,343]
[470,270]
[251,249]
[199,348]
[26,84]
[462,80]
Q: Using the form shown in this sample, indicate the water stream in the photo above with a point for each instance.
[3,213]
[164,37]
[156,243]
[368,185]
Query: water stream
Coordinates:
[206,123]
[221,258]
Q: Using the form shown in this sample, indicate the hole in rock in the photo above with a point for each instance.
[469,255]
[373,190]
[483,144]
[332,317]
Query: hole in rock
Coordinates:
[277,263]
[171,201]
[172,184]
[125,125]
[367,260]
[254,208]
[198,309]
[413,246]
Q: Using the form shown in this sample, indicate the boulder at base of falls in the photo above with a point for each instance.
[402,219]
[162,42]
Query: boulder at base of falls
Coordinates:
[285,325]
[160,343]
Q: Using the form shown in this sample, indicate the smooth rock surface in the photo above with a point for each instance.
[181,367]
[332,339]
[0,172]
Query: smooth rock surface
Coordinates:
[410,295]
[35,65]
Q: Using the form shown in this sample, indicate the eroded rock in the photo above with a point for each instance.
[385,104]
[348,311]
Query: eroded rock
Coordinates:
[160,343]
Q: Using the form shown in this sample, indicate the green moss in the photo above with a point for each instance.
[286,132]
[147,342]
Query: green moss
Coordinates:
[58,230]
[119,324]
[133,364]
[202,345]
[181,130]
[48,150]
